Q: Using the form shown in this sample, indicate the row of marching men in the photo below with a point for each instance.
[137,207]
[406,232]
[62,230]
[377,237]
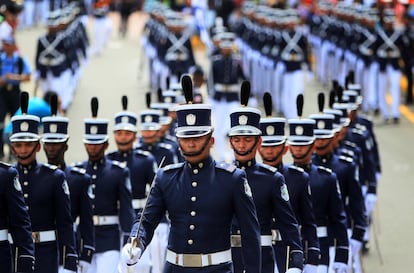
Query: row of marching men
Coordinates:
[97,198]
[371,41]
[167,45]
[300,211]
[61,53]
[274,50]
[107,187]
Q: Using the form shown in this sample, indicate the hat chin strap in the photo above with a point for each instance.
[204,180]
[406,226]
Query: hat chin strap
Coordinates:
[303,156]
[248,151]
[324,146]
[197,153]
[276,157]
[27,156]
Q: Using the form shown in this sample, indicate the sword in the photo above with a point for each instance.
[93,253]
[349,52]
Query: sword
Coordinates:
[134,238]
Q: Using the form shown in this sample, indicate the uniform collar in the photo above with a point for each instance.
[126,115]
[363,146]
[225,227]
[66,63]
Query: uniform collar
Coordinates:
[324,158]
[125,154]
[27,168]
[246,164]
[200,165]
[96,164]
[306,167]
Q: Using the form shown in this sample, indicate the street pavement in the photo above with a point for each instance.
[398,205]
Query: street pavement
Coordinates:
[121,70]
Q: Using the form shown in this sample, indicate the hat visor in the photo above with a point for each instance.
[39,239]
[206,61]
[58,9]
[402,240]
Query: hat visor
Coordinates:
[24,137]
[54,138]
[192,131]
[345,122]
[95,140]
[323,133]
[272,141]
[125,127]
[150,127]
[244,130]
[300,141]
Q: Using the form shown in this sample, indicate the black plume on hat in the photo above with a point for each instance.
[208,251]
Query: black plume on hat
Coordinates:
[299,105]
[159,95]
[53,104]
[339,94]
[321,101]
[94,107]
[187,85]
[24,102]
[331,98]
[267,103]
[245,93]
[167,83]
[148,99]
[124,101]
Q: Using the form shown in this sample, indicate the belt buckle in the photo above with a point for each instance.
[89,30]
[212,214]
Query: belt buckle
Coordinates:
[235,241]
[95,220]
[192,260]
[36,237]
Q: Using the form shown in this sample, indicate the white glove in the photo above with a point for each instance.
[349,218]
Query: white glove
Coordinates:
[339,267]
[377,176]
[355,246]
[294,270]
[310,268]
[370,201]
[83,266]
[130,255]
[68,271]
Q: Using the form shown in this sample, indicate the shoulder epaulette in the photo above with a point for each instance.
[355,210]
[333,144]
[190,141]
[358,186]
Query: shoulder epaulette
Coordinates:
[121,165]
[171,138]
[296,168]
[50,166]
[324,169]
[350,144]
[78,170]
[268,168]
[173,166]
[226,166]
[346,159]
[165,145]
[4,165]
[142,152]
[357,131]
[74,164]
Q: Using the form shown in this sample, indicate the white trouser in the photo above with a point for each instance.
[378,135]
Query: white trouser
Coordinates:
[390,78]
[28,13]
[293,85]
[158,247]
[322,269]
[102,32]
[372,84]
[277,86]
[222,110]
[61,85]
[105,262]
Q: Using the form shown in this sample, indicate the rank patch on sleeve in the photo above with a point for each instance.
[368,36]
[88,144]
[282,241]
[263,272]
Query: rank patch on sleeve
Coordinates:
[284,192]
[247,189]
[17,185]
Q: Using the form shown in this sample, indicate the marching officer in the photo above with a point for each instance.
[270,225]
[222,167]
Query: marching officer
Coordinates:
[326,196]
[142,164]
[226,74]
[46,193]
[272,150]
[111,186]
[347,173]
[269,191]
[14,219]
[55,144]
[201,197]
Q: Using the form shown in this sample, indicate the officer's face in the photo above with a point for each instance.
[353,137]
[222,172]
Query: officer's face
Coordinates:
[25,152]
[149,136]
[124,139]
[96,151]
[55,152]
[323,145]
[302,154]
[163,130]
[195,144]
[246,147]
[273,155]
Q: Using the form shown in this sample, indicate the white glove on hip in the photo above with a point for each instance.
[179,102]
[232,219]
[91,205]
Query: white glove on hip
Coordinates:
[130,255]
[294,270]
[370,201]
[355,246]
[310,268]
[83,266]
[339,267]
